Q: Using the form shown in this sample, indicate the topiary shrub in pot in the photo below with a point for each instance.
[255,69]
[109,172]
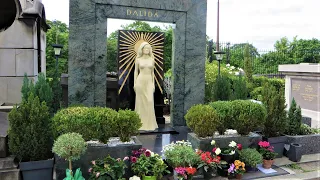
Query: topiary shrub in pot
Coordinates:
[251,157]
[30,138]
[202,120]
[70,147]
[223,110]
[248,116]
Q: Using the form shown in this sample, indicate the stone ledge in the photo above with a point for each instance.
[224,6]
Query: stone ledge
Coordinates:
[310,143]
[8,163]
[11,174]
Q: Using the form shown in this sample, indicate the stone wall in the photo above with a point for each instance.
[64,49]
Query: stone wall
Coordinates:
[87,48]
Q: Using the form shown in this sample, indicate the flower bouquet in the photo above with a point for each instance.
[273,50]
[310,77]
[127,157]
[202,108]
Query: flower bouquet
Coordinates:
[147,164]
[267,153]
[108,168]
[237,168]
[227,154]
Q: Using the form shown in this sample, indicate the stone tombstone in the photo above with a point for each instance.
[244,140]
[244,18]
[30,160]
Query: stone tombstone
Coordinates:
[22,45]
[303,84]
[87,48]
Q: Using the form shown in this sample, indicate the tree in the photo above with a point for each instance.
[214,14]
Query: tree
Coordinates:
[237,54]
[58,34]
[248,63]
[294,119]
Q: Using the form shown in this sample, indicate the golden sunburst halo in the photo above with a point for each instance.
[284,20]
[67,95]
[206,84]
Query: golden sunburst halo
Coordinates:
[129,42]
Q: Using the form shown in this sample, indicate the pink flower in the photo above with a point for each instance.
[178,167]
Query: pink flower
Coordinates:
[133,159]
[90,170]
[214,149]
[93,162]
[147,153]
[264,144]
[180,170]
[239,146]
[98,174]
[125,158]
[118,159]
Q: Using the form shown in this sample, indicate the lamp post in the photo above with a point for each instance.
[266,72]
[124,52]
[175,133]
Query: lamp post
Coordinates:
[57,52]
[219,56]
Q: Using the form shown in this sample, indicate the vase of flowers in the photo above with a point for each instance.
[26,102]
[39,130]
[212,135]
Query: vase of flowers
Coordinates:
[229,154]
[148,164]
[237,169]
[209,162]
[108,168]
[267,153]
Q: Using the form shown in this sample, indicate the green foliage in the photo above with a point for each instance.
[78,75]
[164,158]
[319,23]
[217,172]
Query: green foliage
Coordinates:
[305,130]
[58,34]
[237,55]
[248,63]
[274,101]
[70,146]
[127,124]
[222,89]
[96,123]
[256,93]
[255,87]
[248,116]
[149,166]
[226,119]
[27,87]
[29,131]
[76,176]
[251,157]
[240,90]
[43,90]
[202,120]
[294,119]
[181,154]
[108,169]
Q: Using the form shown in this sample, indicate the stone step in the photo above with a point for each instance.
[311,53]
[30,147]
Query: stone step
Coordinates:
[8,163]
[10,174]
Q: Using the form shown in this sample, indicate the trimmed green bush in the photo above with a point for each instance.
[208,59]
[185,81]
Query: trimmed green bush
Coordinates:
[294,119]
[29,131]
[251,157]
[222,89]
[223,110]
[276,120]
[257,93]
[128,124]
[96,123]
[240,90]
[258,82]
[202,120]
[249,116]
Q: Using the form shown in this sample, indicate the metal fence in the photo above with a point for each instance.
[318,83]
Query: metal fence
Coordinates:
[264,62]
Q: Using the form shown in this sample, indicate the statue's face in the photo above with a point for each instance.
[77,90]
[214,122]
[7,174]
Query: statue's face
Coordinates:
[146,49]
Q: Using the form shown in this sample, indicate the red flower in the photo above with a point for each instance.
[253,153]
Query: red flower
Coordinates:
[147,153]
[214,150]
[191,170]
[216,160]
[239,146]
[133,159]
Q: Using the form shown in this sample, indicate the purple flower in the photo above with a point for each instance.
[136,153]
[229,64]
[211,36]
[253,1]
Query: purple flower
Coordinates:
[231,169]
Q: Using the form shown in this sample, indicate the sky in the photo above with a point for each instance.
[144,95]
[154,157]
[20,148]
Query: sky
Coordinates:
[260,22]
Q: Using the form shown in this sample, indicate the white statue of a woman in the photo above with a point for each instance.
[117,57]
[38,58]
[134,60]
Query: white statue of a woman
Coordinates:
[144,87]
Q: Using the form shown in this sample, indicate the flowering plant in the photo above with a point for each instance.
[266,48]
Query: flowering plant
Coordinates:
[208,160]
[108,168]
[266,150]
[237,167]
[181,154]
[147,163]
[185,172]
[231,150]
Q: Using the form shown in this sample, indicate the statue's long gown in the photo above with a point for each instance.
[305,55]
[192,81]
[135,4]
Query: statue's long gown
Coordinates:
[144,95]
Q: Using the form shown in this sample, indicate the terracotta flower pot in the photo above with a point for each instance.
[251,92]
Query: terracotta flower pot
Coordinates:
[267,163]
[238,176]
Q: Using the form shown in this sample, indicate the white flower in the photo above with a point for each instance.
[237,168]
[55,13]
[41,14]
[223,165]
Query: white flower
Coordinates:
[152,154]
[232,152]
[232,67]
[134,178]
[237,73]
[218,151]
[213,142]
[232,144]
[228,65]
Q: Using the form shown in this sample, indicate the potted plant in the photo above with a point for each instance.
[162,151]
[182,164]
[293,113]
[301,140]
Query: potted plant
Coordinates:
[108,168]
[230,153]
[148,165]
[237,169]
[210,162]
[182,158]
[70,147]
[251,157]
[276,120]
[30,138]
[267,153]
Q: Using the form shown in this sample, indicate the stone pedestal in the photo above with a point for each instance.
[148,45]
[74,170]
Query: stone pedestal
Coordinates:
[302,84]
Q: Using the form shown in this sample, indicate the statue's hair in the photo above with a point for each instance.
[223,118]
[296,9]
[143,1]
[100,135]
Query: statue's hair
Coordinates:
[142,45]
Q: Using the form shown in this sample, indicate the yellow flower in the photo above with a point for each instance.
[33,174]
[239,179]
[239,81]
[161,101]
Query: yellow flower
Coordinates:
[237,167]
[243,165]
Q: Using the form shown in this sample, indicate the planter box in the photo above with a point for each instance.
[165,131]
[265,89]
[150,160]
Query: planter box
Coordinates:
[310,143]
[37,170]
[223,141]
[94,152]
[278,144]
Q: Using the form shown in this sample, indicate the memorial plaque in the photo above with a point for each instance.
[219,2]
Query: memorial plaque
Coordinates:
[306,93]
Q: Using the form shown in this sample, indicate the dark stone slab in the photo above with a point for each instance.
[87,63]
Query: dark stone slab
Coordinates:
[95,152]
[223,142]
[310,143]
[162,129]
[3,134]
[306,120]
